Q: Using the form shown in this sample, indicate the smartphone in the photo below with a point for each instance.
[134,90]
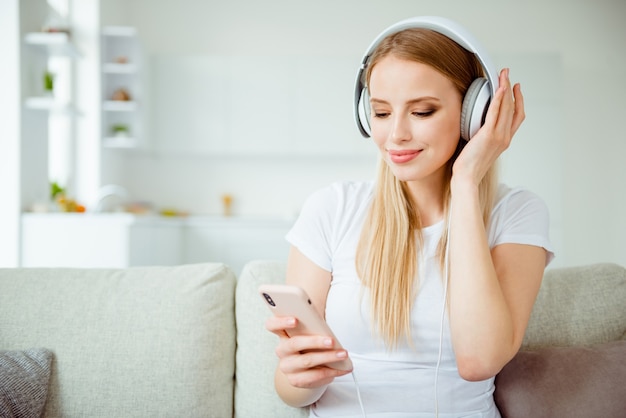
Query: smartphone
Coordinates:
[290,300]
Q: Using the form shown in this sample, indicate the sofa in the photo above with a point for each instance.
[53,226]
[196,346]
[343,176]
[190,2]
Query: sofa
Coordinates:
[189,341]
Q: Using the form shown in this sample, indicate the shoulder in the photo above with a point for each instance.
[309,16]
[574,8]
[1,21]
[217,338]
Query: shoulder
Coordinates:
[327,217]
[520,216]
[517,200]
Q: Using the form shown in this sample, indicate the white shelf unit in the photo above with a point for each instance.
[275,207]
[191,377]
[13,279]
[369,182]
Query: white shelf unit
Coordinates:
[49,49]
[121,68]
[49,117]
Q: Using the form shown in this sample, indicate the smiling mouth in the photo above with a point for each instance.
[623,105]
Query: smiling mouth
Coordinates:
[400,157]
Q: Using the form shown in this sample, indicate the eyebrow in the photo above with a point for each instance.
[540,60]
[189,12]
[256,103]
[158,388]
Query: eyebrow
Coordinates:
[410,102]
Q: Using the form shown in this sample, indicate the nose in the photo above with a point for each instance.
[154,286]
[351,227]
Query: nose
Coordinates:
[400,129]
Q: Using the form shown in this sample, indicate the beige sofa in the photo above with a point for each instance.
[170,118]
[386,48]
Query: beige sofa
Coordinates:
[188,341]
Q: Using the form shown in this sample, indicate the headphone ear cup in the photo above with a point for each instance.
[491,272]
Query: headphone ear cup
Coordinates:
[474,108]
[364,113]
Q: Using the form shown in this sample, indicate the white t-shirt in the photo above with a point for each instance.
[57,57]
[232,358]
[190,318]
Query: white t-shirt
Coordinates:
[400,383]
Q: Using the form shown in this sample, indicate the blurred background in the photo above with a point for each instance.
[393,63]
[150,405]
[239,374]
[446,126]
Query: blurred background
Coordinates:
[161,132]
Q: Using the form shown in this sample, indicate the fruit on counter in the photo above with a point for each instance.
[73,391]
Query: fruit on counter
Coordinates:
[57,195]
[139,208]
[172,212]
[69,205]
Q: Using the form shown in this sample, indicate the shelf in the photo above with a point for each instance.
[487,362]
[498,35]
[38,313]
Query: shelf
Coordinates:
[115,68]
[119,31]
[119,106]
[120,69]
[119,142]
[49,104]
[57,43]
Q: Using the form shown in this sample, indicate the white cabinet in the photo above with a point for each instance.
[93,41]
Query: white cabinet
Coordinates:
[115,240]
[261,105]
[323,101]
[235,241]
[189,104]
[255,106]
[121,87]
[120,240]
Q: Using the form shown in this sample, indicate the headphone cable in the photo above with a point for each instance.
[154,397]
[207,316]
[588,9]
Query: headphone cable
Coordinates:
[443,308]
[358,394]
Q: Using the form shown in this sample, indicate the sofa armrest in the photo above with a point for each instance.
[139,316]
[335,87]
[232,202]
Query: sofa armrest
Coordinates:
[255,395]
[572,359]
[576,306]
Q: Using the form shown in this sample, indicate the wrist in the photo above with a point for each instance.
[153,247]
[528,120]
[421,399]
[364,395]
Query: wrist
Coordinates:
[463,186]
[296,396]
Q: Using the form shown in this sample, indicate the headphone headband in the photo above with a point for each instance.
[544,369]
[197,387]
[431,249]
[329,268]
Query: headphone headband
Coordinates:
[438,24]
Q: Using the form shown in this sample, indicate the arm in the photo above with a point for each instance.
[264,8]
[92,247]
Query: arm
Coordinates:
[301,378]
[492,292]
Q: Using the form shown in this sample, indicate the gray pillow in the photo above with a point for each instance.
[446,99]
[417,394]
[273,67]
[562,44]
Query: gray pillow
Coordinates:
[24,378]
[567,382]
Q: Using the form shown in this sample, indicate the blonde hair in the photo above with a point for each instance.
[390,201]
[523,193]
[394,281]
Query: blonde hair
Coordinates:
[387,252]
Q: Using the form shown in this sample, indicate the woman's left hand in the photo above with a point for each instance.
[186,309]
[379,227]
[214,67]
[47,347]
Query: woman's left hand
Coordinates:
[504,117]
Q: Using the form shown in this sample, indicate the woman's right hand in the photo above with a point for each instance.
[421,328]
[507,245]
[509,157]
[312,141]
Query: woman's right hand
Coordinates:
[303,359]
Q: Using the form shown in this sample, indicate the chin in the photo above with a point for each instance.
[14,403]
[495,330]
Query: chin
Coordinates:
[404,174]
[415,172]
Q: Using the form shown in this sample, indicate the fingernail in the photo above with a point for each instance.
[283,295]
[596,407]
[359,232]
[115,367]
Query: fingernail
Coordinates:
[328,342]
[342,354]
[291,321]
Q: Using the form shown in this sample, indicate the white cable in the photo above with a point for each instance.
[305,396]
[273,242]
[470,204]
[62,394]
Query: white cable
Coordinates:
[443,315]
[443,310]
[358,394]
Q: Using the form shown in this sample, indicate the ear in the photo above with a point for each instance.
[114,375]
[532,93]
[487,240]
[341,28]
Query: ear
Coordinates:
[474,108]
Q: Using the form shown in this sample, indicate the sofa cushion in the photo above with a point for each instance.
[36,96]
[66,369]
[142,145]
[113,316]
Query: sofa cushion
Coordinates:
[24,378]
[564,382]
[254,386]
[136,342]
[579,306]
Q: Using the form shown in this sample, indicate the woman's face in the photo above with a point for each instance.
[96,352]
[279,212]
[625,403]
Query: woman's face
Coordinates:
[416,114]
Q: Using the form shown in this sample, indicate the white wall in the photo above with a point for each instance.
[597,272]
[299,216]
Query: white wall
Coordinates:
[10,137]
[574,161]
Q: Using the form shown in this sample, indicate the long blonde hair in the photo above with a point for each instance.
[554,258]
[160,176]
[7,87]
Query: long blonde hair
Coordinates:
[387,253]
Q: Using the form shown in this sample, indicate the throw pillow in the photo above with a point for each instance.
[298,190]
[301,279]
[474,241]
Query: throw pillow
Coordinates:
[564,382]
[24,378]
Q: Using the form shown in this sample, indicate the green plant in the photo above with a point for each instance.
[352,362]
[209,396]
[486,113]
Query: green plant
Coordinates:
[56,190]
[119,128]
[48,81]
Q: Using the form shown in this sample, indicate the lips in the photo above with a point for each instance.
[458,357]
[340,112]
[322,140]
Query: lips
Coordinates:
[403,156]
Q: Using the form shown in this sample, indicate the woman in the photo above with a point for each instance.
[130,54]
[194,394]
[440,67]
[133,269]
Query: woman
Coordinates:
[428,275]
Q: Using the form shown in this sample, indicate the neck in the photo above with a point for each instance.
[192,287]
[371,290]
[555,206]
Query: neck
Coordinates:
[428,198]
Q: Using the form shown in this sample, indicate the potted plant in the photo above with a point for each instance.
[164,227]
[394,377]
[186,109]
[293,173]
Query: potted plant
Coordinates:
[48,82]
[120,129]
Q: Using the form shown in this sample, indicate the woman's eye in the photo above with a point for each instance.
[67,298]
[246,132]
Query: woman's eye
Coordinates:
[380,114]
[424,114]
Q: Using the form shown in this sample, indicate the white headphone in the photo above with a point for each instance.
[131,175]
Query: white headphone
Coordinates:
[479,93]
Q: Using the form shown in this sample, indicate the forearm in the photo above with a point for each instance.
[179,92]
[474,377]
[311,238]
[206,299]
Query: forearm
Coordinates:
[294,396]
[480,319]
